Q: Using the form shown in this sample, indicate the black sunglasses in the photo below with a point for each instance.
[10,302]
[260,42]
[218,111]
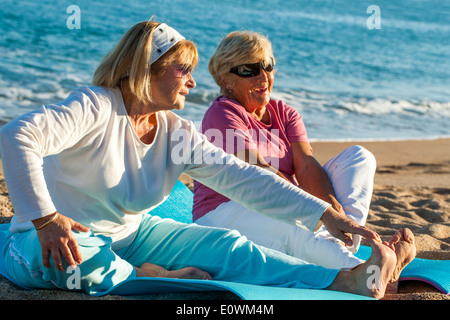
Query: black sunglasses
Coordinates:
[249,70]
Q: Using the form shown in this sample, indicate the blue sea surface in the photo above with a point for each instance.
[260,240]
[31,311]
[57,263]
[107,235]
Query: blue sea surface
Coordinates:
[350,81]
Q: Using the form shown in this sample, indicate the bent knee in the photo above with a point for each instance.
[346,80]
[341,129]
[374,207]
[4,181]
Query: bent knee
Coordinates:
[364,156]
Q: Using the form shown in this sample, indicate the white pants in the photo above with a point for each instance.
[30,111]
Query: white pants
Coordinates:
[351,173]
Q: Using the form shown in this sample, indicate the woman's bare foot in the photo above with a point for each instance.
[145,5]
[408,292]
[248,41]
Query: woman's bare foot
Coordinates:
[370,278]
[402,242]
[154,271]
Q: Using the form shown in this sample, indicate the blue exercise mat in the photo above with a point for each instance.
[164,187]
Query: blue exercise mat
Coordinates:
[143,286]
[179,207]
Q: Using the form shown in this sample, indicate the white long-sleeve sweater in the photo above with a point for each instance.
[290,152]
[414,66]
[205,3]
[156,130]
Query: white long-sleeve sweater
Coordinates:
[82,158]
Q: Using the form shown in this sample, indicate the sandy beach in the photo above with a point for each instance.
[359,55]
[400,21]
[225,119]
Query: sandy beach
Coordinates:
[412,189]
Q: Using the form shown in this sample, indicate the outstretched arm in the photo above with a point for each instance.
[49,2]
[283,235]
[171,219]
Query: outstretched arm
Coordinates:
[263,191]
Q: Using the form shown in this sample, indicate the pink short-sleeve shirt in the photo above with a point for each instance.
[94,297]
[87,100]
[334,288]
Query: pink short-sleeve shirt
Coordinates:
[229,126]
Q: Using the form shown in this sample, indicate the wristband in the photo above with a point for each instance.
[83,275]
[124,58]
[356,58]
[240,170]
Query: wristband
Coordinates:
[48,222]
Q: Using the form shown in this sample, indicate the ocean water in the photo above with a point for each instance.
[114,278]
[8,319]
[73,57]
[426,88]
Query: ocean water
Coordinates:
[353,73]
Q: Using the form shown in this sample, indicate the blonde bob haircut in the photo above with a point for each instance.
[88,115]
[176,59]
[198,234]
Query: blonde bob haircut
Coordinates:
[128,63]
[236,48]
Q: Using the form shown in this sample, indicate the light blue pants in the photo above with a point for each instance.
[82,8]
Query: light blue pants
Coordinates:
[224,254]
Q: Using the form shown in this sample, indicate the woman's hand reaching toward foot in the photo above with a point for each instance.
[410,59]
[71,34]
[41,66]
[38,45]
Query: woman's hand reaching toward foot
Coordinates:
[341,227]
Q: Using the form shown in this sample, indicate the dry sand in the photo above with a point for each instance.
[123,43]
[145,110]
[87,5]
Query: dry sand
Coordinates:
[412,189]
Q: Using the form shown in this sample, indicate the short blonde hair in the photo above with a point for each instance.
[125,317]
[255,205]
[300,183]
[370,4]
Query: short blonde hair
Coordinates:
[238,47]
[128,63]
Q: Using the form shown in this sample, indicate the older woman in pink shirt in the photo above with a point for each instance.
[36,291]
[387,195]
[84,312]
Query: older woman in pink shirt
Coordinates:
[246,122]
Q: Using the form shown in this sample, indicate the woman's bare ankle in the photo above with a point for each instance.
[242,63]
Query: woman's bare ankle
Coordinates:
[370,278]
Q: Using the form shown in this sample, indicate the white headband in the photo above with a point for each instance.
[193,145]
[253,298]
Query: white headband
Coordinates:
[164,38]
